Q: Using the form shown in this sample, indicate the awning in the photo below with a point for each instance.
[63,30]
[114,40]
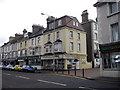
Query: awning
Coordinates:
[115,46]
[28,58]
[11,59]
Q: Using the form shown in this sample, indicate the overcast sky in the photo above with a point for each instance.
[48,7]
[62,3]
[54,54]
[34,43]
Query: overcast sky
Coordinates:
[15,15]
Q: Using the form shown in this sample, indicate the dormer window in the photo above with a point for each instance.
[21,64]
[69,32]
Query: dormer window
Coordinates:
[77,24]
[25,35]
[73,23]
[59,22]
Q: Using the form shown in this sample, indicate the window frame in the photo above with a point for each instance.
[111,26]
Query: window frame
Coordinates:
[111,25]
[48,37]
[111,8]
[79,47]
[71,34]
[59,22]
[58,35]
[71,46]
[78,36]
[58,47]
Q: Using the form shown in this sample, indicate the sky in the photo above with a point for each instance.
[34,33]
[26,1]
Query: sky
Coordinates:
[17,15]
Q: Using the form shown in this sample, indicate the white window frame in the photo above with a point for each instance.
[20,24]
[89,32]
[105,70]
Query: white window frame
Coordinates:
[57,34]
[113,30]
[71,34]
[74,23]
[59,22]
[77,24]
[58,47]
[71,46]
[79,46]
[48,37]
[78,36]
[38,39]
[48,48]
[110,8]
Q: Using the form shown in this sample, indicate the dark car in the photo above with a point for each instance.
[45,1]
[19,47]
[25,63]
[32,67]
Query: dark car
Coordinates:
[28,68]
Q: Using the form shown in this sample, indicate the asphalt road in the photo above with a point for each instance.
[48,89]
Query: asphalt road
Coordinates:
[14,79]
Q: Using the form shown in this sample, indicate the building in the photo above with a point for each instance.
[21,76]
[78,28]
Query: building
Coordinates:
[65,41]
[91,28]
[108,14]
[61,45]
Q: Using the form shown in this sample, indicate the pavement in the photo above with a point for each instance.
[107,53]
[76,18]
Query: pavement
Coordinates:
[91,74]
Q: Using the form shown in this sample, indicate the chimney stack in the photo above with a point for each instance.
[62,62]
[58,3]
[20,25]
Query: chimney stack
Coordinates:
[11,38]
[36,28]
[84,16]
[50,18]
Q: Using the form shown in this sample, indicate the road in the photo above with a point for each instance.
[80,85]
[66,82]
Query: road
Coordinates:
[14,79]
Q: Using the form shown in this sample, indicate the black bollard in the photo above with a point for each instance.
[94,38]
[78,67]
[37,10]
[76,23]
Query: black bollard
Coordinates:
[75,70]
[83,72]
[68,71]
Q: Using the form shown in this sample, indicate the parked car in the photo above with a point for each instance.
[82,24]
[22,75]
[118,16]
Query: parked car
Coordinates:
[9,67]
[28,68]
[4,67]
[17,67]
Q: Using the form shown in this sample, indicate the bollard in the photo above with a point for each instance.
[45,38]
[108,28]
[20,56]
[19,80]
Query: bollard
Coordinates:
[75,70]
[62,70]
[68,71]
[57,70]
[83,72]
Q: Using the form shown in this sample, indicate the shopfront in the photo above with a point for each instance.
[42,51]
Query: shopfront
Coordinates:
[110,54]
[29,60]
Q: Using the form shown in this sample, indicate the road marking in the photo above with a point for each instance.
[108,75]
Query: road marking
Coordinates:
[72,76]
[22,77]
[52,82]
[6,73]
[87,88]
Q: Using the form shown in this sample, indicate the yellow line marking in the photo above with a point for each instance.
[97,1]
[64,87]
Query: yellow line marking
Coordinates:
[72,76]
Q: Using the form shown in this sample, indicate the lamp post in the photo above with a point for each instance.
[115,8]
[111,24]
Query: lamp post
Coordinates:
[54,40]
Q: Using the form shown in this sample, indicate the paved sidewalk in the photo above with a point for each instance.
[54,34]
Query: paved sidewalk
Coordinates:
[91,74]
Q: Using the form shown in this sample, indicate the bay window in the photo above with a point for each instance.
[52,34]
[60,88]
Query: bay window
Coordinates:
[58,47]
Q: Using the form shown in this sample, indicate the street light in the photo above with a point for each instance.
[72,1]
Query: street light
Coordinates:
[54,40]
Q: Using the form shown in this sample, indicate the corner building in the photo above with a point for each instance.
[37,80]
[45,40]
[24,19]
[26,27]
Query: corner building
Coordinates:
[64,42]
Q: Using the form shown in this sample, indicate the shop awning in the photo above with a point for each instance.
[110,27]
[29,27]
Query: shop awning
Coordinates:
[115,46]
[28,58]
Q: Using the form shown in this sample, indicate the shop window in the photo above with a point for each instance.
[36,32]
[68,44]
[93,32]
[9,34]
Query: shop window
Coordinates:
[111,60]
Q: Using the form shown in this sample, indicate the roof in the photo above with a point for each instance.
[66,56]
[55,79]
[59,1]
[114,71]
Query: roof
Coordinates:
[98,4]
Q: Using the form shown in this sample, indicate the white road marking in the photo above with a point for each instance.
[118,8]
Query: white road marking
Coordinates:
[23,77]
[6,73]
[87,88]
[52,82]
